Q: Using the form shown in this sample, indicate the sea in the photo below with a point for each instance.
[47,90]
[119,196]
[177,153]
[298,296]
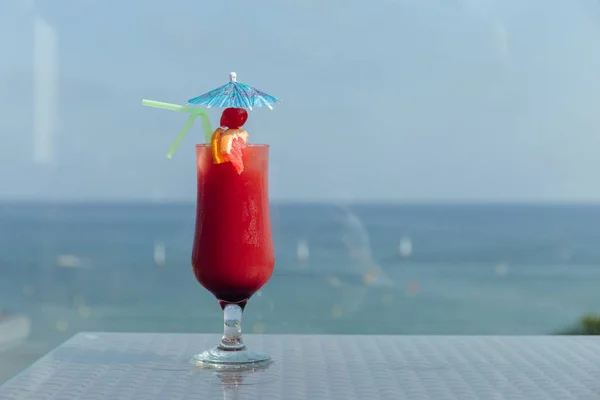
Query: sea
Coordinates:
[451,269]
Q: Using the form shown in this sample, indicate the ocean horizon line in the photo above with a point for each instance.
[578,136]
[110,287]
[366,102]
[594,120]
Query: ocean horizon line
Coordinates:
[286,202]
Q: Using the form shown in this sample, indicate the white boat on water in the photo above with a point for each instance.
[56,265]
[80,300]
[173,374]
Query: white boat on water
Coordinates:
[160,254]
[14,329]
[302,251]
[405,248]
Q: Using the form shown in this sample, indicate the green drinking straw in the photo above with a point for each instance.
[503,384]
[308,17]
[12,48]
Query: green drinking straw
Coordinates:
[194,113]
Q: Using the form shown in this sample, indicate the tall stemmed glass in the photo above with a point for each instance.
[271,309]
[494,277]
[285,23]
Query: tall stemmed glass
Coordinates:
[233,249]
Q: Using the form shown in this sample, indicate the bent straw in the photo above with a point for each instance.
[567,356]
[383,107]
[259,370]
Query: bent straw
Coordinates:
[194,113]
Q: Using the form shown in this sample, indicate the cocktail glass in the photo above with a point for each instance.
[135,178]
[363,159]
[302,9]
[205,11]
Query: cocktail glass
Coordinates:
[233,249]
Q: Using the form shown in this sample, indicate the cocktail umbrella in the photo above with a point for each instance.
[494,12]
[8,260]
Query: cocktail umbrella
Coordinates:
[235,94]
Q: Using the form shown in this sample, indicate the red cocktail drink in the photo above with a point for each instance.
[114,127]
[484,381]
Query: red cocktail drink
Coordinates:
[233,249]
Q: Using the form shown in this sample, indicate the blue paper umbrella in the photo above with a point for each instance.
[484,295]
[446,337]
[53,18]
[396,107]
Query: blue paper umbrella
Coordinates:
[235,94]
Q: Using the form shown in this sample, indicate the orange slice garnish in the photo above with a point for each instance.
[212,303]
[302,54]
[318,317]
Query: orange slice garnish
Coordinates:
[227,145]
[229,136]
[215,141]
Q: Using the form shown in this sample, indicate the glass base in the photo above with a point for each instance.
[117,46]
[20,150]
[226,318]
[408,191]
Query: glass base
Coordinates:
[217,358]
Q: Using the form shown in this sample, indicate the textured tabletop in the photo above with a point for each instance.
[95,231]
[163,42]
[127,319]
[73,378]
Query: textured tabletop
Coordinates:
[117,366]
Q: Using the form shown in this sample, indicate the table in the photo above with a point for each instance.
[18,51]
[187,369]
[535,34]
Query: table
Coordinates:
[128,366]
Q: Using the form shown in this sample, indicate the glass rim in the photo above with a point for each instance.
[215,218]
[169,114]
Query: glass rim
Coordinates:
[259,145]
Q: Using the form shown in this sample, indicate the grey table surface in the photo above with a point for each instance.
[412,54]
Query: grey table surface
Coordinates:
[123,366]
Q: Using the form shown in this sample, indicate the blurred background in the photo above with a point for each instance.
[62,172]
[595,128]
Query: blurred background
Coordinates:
[434,165]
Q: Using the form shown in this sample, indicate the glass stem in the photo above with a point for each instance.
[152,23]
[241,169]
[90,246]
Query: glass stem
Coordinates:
[232,336]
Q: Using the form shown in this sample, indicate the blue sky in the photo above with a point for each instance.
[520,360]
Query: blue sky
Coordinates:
[390,100]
